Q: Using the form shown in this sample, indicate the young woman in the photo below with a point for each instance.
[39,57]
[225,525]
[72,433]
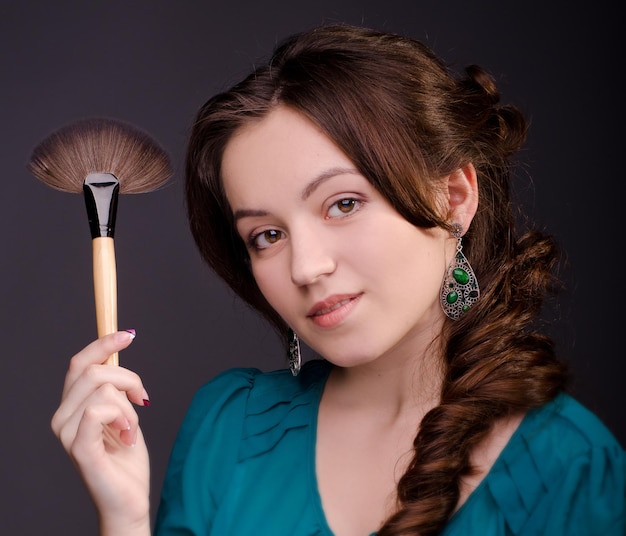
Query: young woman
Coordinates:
[356,192]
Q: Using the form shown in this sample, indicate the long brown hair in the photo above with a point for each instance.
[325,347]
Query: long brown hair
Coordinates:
[405,120]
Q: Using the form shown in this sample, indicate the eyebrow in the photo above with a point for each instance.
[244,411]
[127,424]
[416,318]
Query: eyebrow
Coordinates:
[323,177]
[306,193]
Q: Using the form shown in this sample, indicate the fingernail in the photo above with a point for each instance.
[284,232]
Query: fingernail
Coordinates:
[132,332]
[146,398]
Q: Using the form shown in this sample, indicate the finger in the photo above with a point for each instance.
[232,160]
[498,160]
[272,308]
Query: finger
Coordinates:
[95,376]
[106,396]
[99,384]
[99,424]
[96,353]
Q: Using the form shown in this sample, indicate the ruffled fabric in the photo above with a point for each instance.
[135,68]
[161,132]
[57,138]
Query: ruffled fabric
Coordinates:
[562,473]
[244,463]
[279,404]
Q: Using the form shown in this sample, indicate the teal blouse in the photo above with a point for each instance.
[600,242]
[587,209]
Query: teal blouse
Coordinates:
[244,464]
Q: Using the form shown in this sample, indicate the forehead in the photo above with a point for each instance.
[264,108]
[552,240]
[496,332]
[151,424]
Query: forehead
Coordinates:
[282,151]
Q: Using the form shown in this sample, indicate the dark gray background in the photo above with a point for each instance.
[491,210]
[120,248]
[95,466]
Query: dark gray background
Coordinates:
[153,63]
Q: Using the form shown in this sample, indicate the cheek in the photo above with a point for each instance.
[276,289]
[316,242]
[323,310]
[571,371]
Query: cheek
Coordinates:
[414,259]
[272,283]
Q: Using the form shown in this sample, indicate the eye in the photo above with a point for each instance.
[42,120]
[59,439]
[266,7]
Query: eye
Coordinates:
[343,207]
[265,239]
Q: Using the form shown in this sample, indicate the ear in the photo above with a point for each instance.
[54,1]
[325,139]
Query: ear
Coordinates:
[462,195]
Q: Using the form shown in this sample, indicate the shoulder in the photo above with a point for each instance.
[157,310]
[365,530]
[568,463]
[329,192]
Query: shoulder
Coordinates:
[243,412]
[253,384]
[576,428]
[241,398]
[238,415]
[563,472]
[564,439]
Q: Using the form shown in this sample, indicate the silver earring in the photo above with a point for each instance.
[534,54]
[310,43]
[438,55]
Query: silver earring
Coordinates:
[294,356]
[459,290]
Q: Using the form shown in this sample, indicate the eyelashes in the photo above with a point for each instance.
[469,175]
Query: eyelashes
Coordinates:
[343,207]
[266,238]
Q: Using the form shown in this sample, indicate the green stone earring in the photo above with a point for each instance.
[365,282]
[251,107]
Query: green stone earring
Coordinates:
[459,290]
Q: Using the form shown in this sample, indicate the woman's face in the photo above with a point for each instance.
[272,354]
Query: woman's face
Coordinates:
[353,278]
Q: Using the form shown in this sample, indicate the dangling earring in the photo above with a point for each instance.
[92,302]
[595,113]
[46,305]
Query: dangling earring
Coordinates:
[459,290]
[294,356]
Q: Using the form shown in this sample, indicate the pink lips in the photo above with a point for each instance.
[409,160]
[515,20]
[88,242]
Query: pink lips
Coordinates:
[331,311]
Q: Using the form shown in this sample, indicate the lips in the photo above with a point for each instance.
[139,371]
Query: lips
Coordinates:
[325,310]
[331,311]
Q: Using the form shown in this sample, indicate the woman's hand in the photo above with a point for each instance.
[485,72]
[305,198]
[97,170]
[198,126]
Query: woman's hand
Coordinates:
[98,427]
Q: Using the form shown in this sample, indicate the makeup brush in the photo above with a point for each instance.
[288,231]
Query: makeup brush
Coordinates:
[101,157]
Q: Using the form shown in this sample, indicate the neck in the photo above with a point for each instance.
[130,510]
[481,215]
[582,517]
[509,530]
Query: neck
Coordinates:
[406,379]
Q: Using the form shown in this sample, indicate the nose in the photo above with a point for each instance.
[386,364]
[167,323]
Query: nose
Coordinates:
[311,257]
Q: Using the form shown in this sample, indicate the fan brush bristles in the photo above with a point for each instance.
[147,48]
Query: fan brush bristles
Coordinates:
[100,145]
[101,158]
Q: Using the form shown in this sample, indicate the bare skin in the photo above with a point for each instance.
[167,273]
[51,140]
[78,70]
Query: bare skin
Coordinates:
[357,434]
[98,427]
[372,309]
[352,433]
[352,436]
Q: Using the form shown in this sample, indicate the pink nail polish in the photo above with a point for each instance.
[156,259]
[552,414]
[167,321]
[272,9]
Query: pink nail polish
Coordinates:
[146,402]
[132,332]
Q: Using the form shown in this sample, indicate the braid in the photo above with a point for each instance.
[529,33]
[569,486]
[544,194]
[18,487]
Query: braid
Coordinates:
[497,363]
[494,369]
[405,122]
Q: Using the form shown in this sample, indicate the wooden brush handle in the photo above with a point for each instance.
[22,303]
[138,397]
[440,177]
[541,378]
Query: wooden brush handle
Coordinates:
[105,289]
